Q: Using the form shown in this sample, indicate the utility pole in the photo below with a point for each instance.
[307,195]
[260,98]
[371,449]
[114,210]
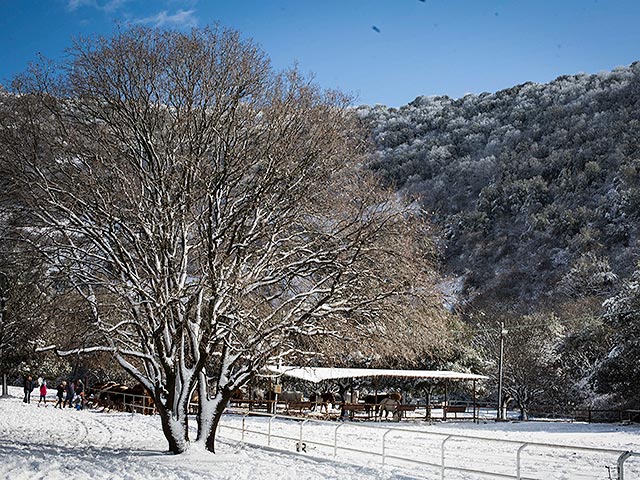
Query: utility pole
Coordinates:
[4,288]
[503,333]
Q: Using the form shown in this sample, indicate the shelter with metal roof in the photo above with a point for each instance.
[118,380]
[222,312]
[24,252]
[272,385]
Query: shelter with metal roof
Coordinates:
[320,374]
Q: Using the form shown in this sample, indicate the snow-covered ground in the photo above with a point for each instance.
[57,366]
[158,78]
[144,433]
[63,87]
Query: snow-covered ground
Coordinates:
[39,443]
[550,449]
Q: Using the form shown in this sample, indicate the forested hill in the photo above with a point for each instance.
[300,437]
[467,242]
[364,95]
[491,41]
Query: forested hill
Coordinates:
[536,188]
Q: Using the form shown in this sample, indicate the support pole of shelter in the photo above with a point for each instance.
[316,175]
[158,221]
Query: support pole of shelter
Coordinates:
[375,398]
[503,332]
[272,398]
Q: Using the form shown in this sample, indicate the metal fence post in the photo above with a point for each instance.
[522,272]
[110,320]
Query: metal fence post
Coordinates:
[269,430]
[384,445]
[335,440]
[442,459]
[518,456]
[244,416]
[301,425]
[621,459]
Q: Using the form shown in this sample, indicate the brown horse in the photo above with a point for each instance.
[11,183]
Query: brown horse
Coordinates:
[140,400]
[110,396]
[323,400]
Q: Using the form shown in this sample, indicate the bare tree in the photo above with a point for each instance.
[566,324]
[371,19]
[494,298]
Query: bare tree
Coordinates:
[24,299]
[212,213]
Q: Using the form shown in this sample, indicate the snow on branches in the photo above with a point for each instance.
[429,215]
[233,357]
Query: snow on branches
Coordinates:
[209,211]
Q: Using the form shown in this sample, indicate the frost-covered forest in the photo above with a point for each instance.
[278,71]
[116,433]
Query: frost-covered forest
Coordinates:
[536,194]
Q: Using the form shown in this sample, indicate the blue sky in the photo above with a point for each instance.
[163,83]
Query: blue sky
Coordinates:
[430,47]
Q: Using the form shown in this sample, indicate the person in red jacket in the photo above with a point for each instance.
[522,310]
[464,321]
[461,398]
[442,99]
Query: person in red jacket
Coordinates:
[43,393]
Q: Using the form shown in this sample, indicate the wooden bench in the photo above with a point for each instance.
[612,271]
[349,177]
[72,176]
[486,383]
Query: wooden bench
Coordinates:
[402,409]
[455,409]
[355,407]
[350,409]
[406,408]
[300,406]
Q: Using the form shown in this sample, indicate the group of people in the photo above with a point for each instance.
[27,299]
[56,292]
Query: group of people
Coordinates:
[74,392]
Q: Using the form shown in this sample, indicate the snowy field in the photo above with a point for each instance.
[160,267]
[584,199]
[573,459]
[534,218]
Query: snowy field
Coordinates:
[39,443]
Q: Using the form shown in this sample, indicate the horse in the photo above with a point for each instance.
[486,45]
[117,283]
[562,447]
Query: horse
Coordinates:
[352,397]
[98,396]
[140,400]
[370,400]
[323,400]
[389,405]
[289,397]
[110,396]
[237,396]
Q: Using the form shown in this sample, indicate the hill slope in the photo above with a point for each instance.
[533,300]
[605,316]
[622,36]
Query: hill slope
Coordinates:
[535,188]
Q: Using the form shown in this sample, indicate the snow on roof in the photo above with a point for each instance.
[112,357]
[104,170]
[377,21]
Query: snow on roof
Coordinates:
[318,374]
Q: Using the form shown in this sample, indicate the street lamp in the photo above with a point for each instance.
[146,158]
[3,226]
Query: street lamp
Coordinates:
[503,333]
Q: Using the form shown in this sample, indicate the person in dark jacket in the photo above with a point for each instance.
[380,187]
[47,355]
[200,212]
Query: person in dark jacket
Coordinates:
[79,387]
[28,388]
[60,394]
[80,394]
[71,392]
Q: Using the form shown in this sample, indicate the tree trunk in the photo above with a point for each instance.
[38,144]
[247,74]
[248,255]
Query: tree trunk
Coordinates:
[523,413]
[174,426]
[175,431]
[219,409]
[209,414]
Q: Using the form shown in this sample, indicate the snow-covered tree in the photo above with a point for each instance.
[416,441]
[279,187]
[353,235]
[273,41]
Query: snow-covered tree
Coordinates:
[531,371]
[212,213]
[618,372]
[24,300]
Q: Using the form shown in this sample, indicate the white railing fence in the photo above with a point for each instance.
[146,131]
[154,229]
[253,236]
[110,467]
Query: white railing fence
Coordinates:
[621,461]
[445,455]
[441,452]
